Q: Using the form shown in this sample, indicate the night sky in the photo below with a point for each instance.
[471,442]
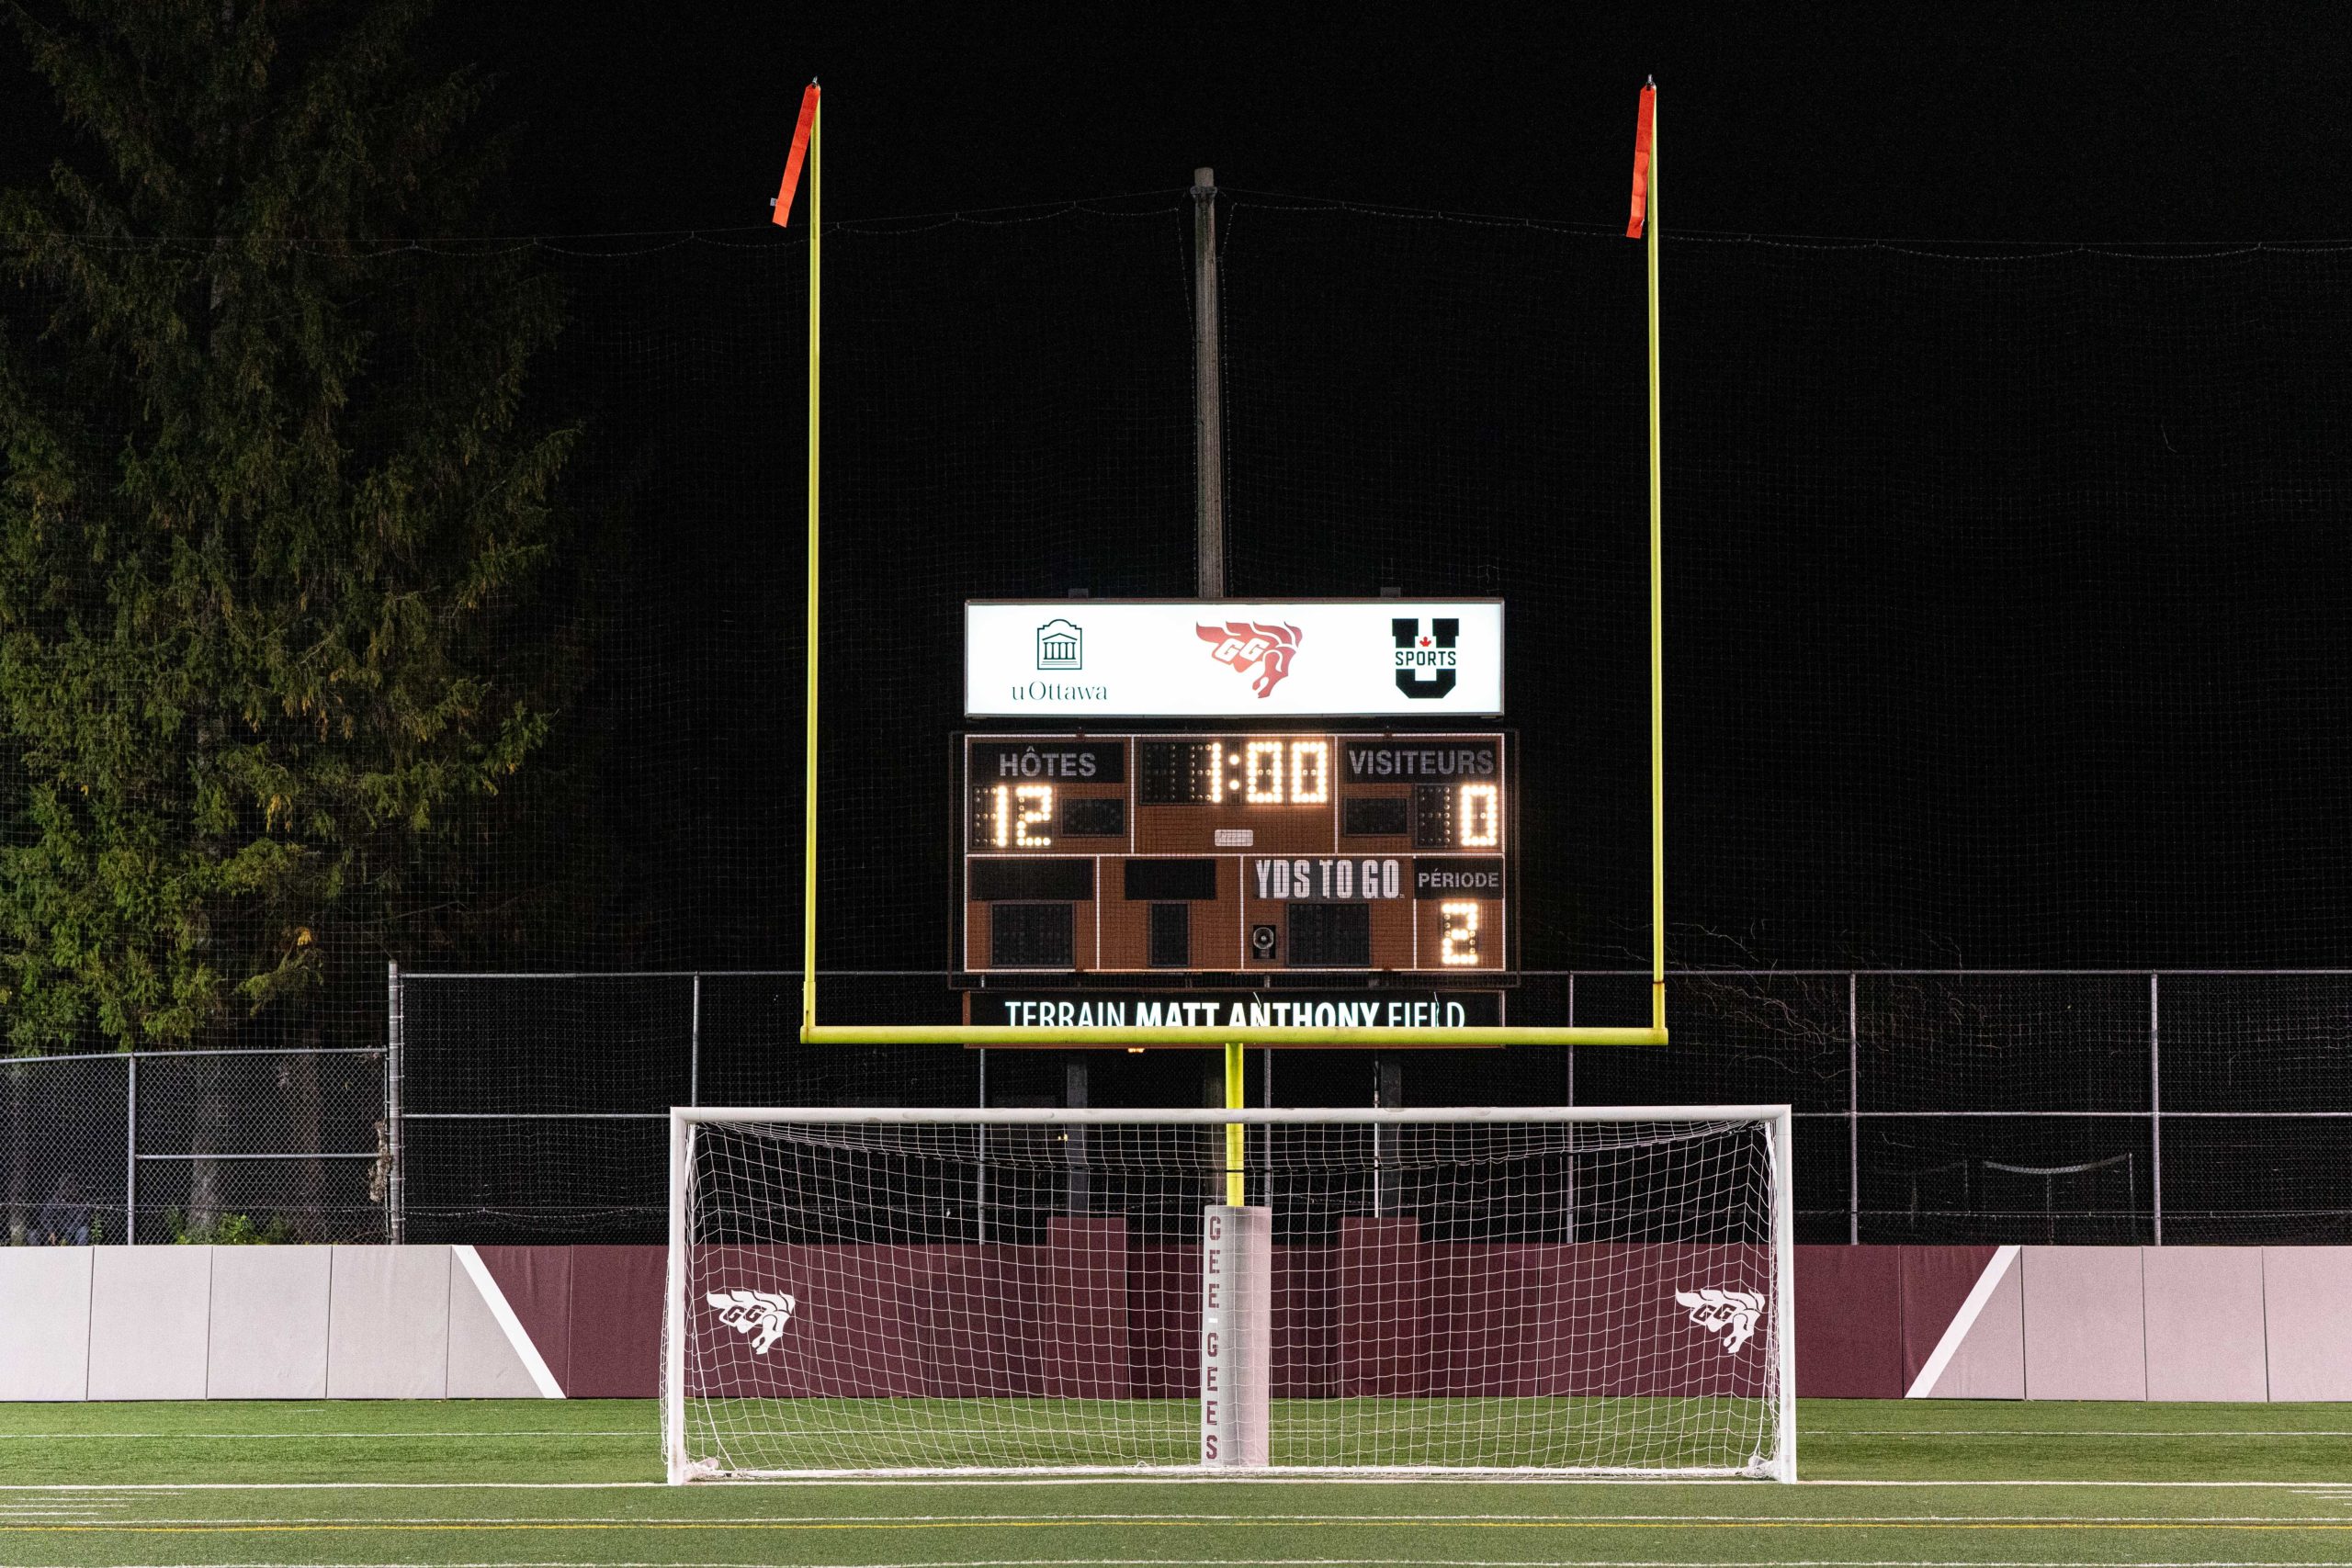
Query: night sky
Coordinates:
[2009,122]
[2008,597]
[1984,122]
[1979,574]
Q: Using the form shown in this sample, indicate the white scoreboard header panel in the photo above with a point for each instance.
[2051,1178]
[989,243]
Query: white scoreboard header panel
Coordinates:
[1432,659]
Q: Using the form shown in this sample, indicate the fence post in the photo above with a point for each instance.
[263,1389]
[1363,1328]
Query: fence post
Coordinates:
[694,1047]
[395,1053]
[1853,1116]
[2155,1114]
[1572,1050]
[130,1153]
[1571,1100]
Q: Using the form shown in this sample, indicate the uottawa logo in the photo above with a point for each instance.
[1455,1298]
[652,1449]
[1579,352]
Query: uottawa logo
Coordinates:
[1244,643]
[759,1313]
[1717,1311]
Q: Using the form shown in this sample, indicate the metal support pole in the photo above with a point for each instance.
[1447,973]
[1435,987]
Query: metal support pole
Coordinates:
[980,1170]
[395,1057]
[1208,429]
[130,1155]
[1208,481]
[2156,1115]
[1853,1117]
[1571,1100]
[694,1047]
[1074,1094]
[1570,1049]
[1237,1097]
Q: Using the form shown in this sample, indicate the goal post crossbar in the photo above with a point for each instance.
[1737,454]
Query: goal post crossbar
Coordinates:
[1257,1115]
[1224,1034]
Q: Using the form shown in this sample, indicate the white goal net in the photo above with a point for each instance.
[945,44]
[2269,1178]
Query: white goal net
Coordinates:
[1595,1292]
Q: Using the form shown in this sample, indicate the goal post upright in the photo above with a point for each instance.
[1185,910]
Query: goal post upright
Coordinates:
[808,780]
[1211,562]
[1645,194]
[1784,1328]
[674,1318]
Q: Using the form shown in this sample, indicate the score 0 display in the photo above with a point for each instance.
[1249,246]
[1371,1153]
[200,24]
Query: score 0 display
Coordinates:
[1237,854]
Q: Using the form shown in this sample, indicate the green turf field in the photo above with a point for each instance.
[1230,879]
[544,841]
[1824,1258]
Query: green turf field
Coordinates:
[1890,1484]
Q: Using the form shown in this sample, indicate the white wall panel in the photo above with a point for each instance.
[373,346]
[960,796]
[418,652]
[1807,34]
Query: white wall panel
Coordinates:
[2307,1311]
[388,1324]
[44,1322]
[2205,1323]
[150,1321]
[269,1323]
[2084,1335]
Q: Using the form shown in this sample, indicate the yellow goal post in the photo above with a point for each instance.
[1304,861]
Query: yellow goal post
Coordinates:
[813,1033]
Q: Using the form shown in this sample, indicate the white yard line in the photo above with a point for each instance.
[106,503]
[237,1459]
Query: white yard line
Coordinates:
[1161,1478]
[642,1435]
[1318,1562]
[725,1521]
[2078,1432]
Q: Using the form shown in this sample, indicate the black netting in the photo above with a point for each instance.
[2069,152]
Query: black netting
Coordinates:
[1999,634]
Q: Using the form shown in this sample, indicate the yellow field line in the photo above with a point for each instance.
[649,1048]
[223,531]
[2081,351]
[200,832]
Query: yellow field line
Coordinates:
[1098,1522]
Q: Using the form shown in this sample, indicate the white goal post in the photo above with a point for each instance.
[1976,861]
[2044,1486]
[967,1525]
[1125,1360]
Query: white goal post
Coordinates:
[1601,1290]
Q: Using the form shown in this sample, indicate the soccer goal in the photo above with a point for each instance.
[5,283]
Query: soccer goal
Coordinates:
[1599,1292]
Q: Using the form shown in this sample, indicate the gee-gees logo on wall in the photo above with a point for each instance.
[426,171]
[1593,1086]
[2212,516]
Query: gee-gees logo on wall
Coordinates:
[1244,643]
[1721,1311]
[759,1313]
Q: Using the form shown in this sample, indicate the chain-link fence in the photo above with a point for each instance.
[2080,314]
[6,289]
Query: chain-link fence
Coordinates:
[2078,1107]
[2081,1106]
[251,1146]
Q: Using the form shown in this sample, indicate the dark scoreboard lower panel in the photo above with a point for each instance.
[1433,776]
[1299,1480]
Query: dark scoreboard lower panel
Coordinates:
[1273,853]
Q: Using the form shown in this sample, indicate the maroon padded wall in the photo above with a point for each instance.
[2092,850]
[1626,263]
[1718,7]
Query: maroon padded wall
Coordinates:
[1849,1323]
[615,1350]
[1085,1315]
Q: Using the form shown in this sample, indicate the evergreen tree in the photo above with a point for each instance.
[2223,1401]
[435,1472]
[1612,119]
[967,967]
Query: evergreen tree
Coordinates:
[274,526]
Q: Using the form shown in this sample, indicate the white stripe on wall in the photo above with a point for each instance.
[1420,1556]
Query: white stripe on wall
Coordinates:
[496,1299]
[1995,1269]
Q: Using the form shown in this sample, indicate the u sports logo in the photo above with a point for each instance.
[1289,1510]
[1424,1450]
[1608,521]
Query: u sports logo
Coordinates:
[1245,643]
[1433,653]
[1732,1313]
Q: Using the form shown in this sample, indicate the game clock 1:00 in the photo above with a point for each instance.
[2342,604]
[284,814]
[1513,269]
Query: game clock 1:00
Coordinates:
[1174,854]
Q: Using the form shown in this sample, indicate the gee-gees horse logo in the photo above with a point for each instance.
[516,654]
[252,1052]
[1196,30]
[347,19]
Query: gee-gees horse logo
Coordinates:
[759,1313]
[1244,643]
[1717,1311]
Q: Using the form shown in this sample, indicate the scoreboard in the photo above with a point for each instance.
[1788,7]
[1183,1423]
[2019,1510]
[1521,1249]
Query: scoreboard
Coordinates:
[1248,854]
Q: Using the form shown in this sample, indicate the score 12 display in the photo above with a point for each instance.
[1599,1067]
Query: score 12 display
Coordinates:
[1235,853]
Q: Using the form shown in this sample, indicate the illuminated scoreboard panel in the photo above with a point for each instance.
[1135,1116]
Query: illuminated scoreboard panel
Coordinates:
[1235,853]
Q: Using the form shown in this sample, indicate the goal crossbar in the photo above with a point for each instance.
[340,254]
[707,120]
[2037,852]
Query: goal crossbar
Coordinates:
[1254,1116]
